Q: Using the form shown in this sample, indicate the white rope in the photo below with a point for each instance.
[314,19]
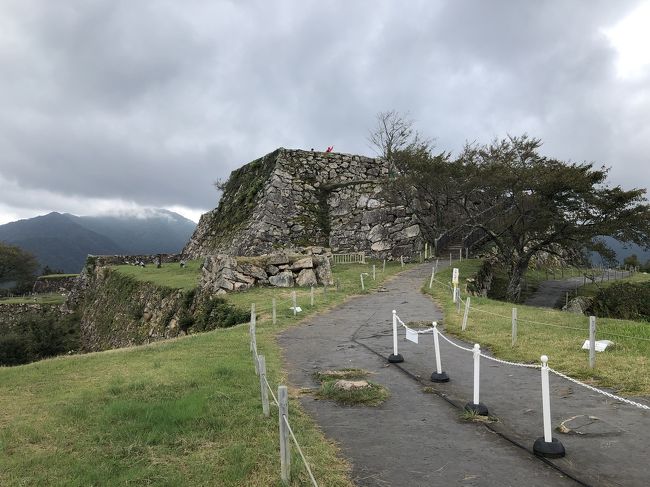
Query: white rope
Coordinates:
[515,364]
[599,391]
[311,475]
[455,344]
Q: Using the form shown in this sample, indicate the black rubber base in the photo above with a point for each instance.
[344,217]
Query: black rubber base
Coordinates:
[439,377]
[554,449]
[480,408]
[395,359]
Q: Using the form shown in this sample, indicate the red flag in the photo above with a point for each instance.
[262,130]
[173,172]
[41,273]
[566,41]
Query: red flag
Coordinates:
[330,148]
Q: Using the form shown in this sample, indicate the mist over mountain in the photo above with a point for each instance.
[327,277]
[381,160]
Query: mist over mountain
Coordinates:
[623,250]
[62,241]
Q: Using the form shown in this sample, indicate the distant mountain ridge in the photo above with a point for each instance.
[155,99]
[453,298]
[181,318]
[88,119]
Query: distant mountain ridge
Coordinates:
[62,241]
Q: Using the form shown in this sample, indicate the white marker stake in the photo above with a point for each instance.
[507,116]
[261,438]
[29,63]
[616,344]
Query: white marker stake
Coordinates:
[295,306]
[514,326]
[395,333]
[433,275]
[374,273]
[275,316]
[401,259]
[466,313]
[363,287]
[311,297]
[383,269]
[477,372]
[449,258]
[592,342]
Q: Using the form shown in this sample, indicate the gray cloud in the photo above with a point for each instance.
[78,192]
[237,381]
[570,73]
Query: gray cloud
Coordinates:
[146,103]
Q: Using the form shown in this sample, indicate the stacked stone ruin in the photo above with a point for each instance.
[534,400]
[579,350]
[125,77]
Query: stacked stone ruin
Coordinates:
[309,198]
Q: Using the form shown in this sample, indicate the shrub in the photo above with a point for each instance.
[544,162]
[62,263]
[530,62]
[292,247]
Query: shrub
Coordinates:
[623,300]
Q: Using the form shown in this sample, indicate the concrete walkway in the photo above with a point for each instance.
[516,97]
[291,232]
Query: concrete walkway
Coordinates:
[550,293]
[418,438]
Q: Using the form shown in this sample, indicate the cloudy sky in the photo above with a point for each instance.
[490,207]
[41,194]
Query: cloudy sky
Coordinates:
[118,104]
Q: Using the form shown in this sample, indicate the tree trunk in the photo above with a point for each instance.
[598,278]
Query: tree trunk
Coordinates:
[517,271]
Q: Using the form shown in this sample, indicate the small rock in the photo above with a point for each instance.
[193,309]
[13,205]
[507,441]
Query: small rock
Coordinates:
[348,385]
[283,279]
[307,277]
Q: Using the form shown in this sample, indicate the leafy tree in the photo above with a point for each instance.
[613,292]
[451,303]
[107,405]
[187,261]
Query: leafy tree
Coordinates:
[539,204]
[526,204]
[17,265]
[631,261]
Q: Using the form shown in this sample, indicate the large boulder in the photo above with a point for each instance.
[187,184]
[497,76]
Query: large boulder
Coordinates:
[307,277]
[282,279]
[304,263]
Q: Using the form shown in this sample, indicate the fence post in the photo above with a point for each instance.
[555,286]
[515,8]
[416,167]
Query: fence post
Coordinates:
[592,342]
[264,391]
[514,326]
[433,275]
[466,253]
[437,264]
[395,357]
[401,260]
[274,312]
[547,446]
[311,296]
[449,258]
[439,375]
[465,316]
[295,305]
[383,269]
[254,339]
[285,451]
[374,273]
[426,247]
[476,406]
[457,290]
[460,254]
[363,287]
[421,257]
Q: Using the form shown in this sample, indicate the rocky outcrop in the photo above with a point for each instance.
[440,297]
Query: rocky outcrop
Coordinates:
[54,284]
[12,314]
[295,198]
[223,273]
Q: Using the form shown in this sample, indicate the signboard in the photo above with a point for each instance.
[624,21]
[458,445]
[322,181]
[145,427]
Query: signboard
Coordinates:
[454,276]
[412,335]
[600,345]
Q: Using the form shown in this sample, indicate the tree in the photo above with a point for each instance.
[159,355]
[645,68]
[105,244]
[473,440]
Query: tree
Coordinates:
[631,261]
[17,265]
[527,204]
[393,132]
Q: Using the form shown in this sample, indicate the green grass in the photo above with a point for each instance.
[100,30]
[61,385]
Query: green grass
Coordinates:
[560,335]
[169,275]
[181,412]
[372,395]
[48,298]
[57,276]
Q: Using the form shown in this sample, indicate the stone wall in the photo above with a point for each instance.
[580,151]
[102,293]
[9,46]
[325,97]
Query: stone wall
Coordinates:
[11,314]
[296,198]
[223,273]
[63,284]
[108,260]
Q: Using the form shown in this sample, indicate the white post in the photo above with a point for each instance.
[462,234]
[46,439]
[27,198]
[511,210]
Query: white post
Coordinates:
[437,264]
[401,259]
[466,253]
[383,269]
[477,372]
[454,296]
[264,391]
[421,256]
[465,316]
[514,326]
[395,333]
[274,312]
[374,273]
[439,375]
[433,275]
[426,247]
[592,342]
[460,254]
[457,300]
[285,450]
[363,287]
[295,305]
[546,401]
[254,339]
[449,258]
[311,297]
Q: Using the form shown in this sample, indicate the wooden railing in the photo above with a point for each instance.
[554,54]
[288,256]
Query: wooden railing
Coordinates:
[349,258]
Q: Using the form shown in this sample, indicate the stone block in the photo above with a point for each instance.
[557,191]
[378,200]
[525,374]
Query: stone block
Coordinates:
[304,263]
[306,277]
[283,279]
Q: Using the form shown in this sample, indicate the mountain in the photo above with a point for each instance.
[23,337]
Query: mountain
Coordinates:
[624,249]
[62,241]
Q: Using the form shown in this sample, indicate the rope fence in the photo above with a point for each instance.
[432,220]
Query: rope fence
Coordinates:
[546,445]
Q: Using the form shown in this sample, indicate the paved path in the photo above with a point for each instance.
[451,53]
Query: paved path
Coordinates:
[550,293]
[417,438]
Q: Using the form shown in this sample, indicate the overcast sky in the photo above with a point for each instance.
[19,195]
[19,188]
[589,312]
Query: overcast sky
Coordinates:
[122,104]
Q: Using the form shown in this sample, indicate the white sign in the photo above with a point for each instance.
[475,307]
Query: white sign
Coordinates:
[411,335]
[601,345]
[298,309]
[454,276]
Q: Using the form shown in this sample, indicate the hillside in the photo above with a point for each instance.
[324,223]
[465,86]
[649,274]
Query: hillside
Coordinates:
[62,241]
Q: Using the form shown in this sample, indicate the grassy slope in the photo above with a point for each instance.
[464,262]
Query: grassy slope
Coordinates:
[170,275]
[180,412]
[625,368]
[49,298]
